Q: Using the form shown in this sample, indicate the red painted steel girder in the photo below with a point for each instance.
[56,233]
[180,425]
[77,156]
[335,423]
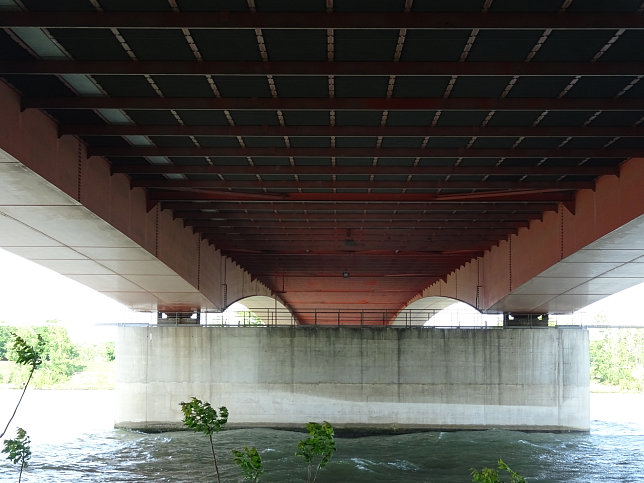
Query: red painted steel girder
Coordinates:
[348,215]
[421,207]
[385,223]
[315,20]
[375,170]
[327,104]
[339,131]
[142,67]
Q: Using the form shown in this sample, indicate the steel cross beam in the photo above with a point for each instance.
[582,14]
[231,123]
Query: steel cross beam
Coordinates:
[528,208]
[429,152]
[540,196]
[339,131]
[356,223]
[320,103]
[314,20]
[139,67]
[364,185]
[192,216]
[372,235]
[402,169]
[474,242]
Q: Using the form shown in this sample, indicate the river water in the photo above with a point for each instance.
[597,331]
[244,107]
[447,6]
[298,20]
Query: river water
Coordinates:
[72,440]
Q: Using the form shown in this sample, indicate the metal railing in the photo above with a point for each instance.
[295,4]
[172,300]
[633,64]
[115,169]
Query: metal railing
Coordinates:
[335,317]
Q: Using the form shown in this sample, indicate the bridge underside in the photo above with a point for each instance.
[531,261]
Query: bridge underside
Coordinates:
[181,160]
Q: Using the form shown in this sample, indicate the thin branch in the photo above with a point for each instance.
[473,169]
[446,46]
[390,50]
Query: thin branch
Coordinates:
[214,457]
[33,368]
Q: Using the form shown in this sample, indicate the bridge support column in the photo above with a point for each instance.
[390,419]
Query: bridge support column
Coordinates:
[362,379]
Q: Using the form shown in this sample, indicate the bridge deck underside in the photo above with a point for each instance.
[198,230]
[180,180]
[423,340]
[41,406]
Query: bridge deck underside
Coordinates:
[342,158]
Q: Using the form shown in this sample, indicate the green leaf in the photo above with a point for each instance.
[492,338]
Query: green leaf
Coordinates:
[18,450]
[25,354]
[250,462]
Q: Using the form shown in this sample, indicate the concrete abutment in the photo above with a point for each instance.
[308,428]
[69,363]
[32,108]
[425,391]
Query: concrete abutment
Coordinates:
[357,378]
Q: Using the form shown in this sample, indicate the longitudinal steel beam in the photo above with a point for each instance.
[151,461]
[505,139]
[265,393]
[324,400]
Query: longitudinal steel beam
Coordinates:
[339,131]
[314,20]
[328,185]
[589,170]
[139,67]
[321,103]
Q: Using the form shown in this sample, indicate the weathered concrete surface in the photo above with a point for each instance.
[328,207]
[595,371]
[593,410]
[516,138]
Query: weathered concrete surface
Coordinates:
[384,378]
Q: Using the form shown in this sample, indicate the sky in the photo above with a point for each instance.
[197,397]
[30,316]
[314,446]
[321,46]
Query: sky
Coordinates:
[31,294]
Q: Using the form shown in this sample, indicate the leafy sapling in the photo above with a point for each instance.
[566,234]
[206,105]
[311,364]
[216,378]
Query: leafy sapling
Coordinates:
[201,417]
[318,447]
[250,463]
[18,450]
[26,355]
[489,475]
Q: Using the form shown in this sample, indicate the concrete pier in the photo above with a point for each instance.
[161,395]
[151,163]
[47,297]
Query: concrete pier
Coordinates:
[358,378]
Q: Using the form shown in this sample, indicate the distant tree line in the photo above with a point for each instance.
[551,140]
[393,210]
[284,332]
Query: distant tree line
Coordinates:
[617,358]
[61,357]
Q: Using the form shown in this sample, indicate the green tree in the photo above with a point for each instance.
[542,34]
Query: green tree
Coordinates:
[617,358]
[489,475]
[60,357]
[5,340]
[110,351]
[18,450]
[250,463]
[201,417]
[318,447]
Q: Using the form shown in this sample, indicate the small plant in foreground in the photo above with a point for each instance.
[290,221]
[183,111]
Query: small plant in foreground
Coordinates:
[489,475]
[18,450]
[201,417]
[320,446]
[250,463]
[26,355]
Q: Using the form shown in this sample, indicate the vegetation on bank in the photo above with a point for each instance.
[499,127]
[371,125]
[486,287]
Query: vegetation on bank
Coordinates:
[617,359]
[65,365]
